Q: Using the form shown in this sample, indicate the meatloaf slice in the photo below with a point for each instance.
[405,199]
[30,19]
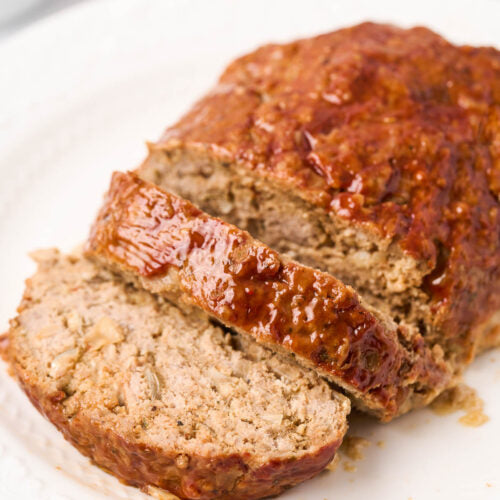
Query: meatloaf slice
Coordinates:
[168,246]
[372,153]
[160,398]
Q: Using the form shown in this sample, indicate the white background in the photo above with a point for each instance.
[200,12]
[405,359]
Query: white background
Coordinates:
[15,14]
[80,92]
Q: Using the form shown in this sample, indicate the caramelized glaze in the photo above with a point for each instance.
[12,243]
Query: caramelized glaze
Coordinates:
[246,285]
[396,130]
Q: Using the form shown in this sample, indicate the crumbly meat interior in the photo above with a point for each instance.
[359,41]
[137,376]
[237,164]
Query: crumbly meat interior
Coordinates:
[136,364]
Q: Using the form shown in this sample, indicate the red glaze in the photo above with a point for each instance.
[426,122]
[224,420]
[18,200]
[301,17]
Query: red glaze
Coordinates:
[245,284]
[396,130]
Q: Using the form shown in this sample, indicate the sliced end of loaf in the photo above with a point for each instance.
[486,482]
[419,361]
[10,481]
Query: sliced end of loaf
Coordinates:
[166,245]
[352,152]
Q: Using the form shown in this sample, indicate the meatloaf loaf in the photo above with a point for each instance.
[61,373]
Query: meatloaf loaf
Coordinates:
[371,152]
[165,244]
[160,398]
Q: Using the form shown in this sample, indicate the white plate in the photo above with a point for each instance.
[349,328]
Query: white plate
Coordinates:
[79,94]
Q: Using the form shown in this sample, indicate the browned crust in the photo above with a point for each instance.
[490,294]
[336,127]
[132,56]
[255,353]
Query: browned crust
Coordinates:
[151,233]
[136,464]
[393,130]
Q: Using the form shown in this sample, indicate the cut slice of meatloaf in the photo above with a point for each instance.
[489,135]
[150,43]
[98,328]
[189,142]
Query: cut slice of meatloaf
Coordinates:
[160,398]
[372,153]
[168,246]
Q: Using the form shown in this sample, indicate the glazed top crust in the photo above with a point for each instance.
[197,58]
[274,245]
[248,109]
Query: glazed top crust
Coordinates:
[396,130]
[244,284]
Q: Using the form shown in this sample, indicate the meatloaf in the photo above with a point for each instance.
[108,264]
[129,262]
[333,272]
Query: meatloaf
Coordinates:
[161,398]
[165,244]
[372,152]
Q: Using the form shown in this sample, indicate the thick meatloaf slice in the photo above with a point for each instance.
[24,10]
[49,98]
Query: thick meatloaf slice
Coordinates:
[373,153]
[168,246]
[160,398]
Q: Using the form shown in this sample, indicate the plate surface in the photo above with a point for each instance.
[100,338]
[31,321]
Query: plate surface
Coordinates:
[80,92]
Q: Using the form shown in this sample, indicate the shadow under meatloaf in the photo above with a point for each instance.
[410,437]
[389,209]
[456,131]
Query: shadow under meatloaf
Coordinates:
[163,399]
[371,153]
[168,246]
